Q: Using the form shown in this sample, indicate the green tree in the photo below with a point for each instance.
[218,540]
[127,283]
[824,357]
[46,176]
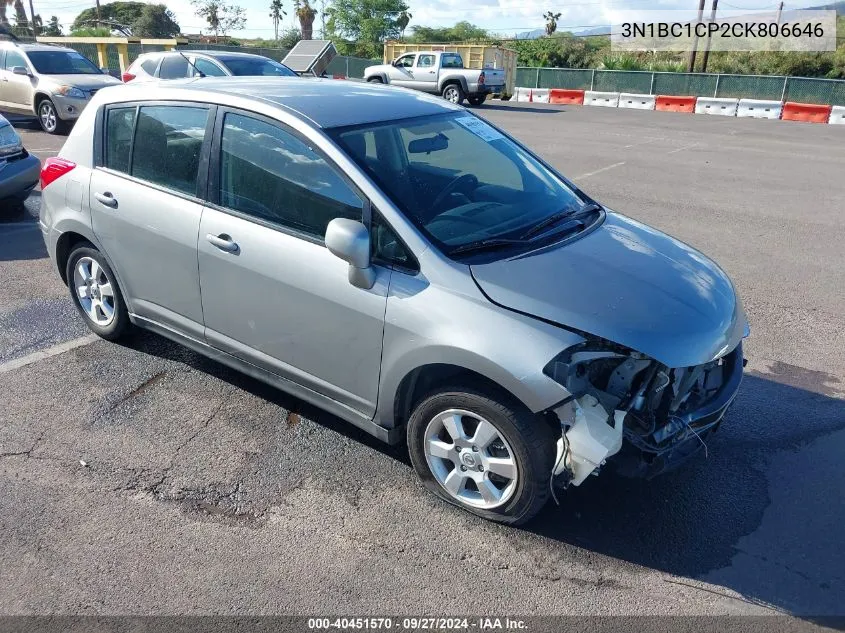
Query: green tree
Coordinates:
[124,13]
[289,38]
[402,21]
[277,13]
[156,20]
[462,32]
[221,18]
[54,29]
[368,22]
[551,21]
[305,13]
[233,18]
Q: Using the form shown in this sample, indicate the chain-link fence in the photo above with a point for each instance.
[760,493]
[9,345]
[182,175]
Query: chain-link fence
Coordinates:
[801,89]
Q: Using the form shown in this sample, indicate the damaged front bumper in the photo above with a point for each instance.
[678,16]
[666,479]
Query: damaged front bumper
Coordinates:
[649,418]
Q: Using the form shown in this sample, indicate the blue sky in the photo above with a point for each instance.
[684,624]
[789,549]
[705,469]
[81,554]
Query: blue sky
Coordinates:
[505,17]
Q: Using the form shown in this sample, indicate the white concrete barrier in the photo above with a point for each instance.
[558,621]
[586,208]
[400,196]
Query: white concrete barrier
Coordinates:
[540,95]
[636,101]
[837,115]
[717,106]
[521,94]
[759,109]
[606,99]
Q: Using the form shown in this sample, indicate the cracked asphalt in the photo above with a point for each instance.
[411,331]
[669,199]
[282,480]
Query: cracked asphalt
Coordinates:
[141,478]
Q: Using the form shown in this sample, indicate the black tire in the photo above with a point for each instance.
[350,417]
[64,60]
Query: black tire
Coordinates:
[374,80]
[48,117]
[454,93]
[119,324]
[531,441]
[476,100]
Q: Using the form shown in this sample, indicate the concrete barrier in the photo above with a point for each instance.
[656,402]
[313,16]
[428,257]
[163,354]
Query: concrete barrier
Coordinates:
[636,101]
[720,107]
[606,99]
[807,112]
[671,103]
[540,95]
[837,115]
[522,94]
[566,97]
[759,109]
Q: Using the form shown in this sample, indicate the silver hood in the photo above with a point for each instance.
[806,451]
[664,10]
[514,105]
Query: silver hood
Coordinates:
[628,283]
[84,82]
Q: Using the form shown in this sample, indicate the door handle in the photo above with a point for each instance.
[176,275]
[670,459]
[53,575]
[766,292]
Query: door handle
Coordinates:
[106,199]
[223,242]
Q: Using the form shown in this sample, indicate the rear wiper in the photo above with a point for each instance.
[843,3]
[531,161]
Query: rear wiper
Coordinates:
[557,217]
[485,245]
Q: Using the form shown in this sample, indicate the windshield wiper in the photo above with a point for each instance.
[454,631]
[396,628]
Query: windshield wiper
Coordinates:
[557,217]
[485,245]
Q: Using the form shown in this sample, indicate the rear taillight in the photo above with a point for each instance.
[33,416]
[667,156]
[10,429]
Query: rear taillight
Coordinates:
[127,77]
[54,168]
[481,78]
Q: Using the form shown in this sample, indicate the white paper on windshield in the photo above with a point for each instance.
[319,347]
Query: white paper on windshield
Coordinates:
[480,128]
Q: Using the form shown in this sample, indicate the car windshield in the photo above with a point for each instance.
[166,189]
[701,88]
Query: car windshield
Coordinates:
[62,63]
[256,66]
[460,180]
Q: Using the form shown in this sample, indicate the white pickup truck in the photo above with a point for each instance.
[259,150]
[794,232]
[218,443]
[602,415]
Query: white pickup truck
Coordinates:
[440,73]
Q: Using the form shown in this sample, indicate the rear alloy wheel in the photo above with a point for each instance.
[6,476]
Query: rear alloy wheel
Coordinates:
[476,100]
[454,93]
[49,118]
[96,294]
[490,458]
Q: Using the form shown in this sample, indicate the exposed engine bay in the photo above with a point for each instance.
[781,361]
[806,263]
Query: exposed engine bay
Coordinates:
[623,399]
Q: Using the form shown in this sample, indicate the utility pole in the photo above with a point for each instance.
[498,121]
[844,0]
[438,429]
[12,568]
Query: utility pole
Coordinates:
[706,54]
[98,13]
[780,10]
[691,61]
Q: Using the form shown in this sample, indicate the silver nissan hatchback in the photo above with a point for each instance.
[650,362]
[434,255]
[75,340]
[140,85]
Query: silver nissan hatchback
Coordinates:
[403,264]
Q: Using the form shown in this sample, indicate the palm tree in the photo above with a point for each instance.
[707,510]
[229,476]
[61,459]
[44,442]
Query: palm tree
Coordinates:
[3,19]
[306,15]
[551,21]
[277,12]
[402,21]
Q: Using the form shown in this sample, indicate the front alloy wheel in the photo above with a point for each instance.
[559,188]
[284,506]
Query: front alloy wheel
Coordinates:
[488,455]
[470,459]
[49,118]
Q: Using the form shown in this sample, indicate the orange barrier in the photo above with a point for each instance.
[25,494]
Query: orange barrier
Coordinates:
[566,97]
[674,104]
[809,112]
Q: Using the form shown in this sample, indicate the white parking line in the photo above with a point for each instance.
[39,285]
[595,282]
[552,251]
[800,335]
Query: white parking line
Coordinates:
[61,348]
[598,171]
[681,149]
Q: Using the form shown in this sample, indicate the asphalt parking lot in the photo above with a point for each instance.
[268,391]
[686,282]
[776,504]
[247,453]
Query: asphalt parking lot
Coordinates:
[144,479]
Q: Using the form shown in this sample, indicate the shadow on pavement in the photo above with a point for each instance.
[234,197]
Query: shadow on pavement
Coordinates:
[762,514]
[521,108]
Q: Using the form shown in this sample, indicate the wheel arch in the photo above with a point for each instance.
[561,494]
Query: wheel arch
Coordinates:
[37,98]
[460,80]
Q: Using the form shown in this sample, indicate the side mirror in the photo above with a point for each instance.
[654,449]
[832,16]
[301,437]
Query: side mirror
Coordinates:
[21,70]
[105,70]
[350,241]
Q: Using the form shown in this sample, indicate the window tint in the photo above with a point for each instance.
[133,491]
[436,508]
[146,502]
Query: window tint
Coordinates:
[14,58]
[149,65]
[119,126]
[207,68]
[425,61]
[173,67]
[273,175]
[256,66]
[451,61]
[168,142]
[62,63]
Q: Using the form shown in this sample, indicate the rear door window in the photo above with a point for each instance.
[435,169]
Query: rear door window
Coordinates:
[173,67]
[161,144]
